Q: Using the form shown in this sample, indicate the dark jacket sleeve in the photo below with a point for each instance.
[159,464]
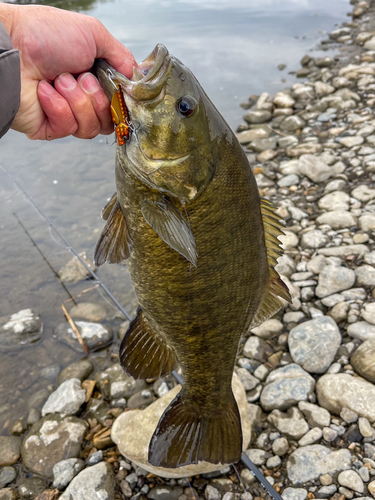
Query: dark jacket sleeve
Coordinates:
[10,81]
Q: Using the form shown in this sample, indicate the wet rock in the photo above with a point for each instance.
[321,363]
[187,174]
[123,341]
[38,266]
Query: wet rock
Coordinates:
[333,279]
[247,136]
[365,275]
[64,471]
[342,390]
[32,487]
[283,99]
[132,432]
[351,479]
[363,360]
[37,399]
[10,449]
[94,335]
[141,399]
[286,386]
[75,271]
[308,463]
[7,475]
[67,399]
[262,144]
[291,423]
[50,372]
[96,483]
[361,330]
[19,329]
[292,123]
[89,312]
[258,116]
[313,344]
[51,440]
[79,369]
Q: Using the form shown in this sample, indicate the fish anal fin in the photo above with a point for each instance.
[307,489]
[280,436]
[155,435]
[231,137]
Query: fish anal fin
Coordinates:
[114,245]
[276,288]
[171,226]
[143,354]
[185,435]
[109,207]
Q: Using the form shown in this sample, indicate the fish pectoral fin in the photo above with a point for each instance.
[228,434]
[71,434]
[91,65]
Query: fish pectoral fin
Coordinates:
[143,354]
[276,289]
[185,435]
[109,207]
[171,226]
[114,245]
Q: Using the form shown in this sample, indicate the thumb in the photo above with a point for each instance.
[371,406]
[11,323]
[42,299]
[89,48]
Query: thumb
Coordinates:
[116,54]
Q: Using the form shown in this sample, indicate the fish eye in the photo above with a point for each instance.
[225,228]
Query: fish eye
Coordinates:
[187,106]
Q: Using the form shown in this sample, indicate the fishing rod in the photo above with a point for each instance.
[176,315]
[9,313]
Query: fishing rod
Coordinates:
[244,458]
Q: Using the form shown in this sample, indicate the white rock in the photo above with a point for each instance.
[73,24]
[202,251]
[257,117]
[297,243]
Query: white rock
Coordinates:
[67,399]
[289,240]
[283,99]
[367,222]
[344,251]
[351,479]
[291,423]
[294,494]
[337,219]
[315,168]
[333,279]
[132,432]
[337,200]
[316,416]
[363,193]
[311,437]
[95,483]
[322,89]
[365,275]
[316,264]
[368,313]
[351,141]
[314,239]
[361,330]
[268,329]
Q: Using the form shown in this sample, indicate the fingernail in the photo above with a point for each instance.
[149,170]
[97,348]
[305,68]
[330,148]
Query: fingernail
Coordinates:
[67,81]
[89,82]
[46,88]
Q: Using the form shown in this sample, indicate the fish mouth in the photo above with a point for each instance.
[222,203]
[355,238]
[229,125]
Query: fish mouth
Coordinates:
[147,80]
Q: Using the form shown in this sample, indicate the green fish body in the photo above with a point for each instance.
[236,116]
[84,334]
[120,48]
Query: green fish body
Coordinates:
[200,245]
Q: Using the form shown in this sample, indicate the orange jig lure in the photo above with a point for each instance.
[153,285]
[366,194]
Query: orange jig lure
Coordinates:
[120,116]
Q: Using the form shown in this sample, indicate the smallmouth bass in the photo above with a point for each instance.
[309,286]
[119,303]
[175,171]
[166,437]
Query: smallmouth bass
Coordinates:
[201,247]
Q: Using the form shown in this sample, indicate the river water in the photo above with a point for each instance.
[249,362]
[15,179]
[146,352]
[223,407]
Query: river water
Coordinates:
[233,47]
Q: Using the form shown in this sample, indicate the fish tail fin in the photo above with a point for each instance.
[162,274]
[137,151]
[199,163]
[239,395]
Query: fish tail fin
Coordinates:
[185,435]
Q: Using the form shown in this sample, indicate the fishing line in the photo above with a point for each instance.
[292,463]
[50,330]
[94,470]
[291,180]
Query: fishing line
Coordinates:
[244,458]
[239,478]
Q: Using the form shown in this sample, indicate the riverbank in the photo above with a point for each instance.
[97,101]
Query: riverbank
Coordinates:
[309,374]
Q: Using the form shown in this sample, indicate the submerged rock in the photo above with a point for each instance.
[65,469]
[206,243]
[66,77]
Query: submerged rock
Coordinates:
[94,335]
[19,329]
[75,271]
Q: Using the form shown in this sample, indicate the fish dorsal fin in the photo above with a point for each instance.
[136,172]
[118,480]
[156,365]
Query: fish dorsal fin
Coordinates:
[171,226]
[114,245]
[276,288]
[109,207]
[143,354]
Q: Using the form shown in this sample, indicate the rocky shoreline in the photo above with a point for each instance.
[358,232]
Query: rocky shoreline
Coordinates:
[309,373]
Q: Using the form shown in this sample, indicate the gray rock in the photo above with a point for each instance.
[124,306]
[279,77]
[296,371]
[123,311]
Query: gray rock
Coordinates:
[249,381]
[51,440]
[288,239]
[329,434]
[333,279]
[367,222]
[314,239]
[370,258]
[64,471]
[261,144]
[312,436]
[280,446]
[256,348]
[308,463]
[283,99]
[32,487]
[74,271]
[273,462]
[369,451]
[258,116]
[7,475]
[268,329]
[37,399]
[10,449]
[313,344]
[67,399]
[286,265]
[326,491]
[291,423]
[350,141]
[249,135]
[94,335]
[50,372]
[286,386]
[365,275]
[361,330]
[95,458]
[88,311]
[322,89]
[363,360]
[337,200]
[292,123]
[8,494]
[258,457]
[344,251]
[94,483]
[316,416]
[349,416]
[288,180]
[166,492]
[315,168]
[294,494]
[363,193]
[141,399]
[368,312]
[337,219]
[316,264]
[19,329]
[79,369]
[352,480]
[365,428]
[210,493]
[342,390]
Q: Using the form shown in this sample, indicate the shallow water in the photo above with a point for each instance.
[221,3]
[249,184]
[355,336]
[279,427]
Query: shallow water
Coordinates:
[233,48]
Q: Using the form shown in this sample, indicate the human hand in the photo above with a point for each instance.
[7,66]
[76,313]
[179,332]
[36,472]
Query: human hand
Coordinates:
[54,45]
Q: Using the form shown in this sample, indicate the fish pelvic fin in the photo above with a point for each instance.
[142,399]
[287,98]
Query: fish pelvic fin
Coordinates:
[171,226]
[114,245]
[185,435]
[276,288]
[143,354]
